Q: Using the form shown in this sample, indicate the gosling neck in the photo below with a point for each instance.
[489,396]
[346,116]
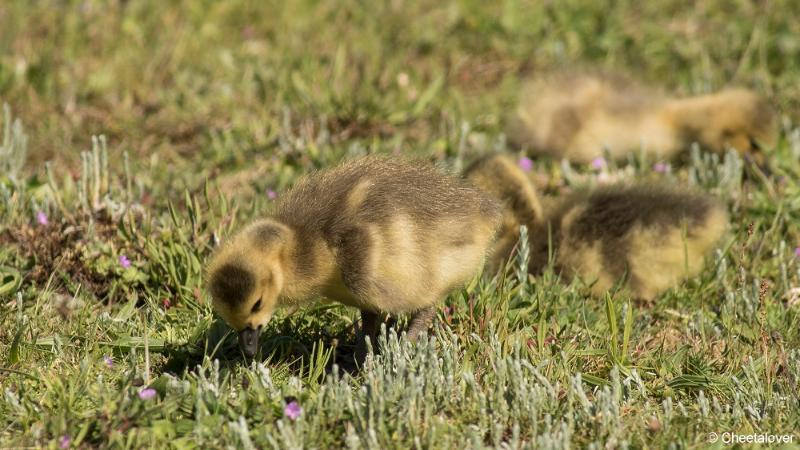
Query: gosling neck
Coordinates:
[309,264]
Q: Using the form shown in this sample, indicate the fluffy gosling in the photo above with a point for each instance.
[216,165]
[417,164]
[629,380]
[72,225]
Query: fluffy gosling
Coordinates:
[579,117]
[648,236]
[381,235]
[643,238]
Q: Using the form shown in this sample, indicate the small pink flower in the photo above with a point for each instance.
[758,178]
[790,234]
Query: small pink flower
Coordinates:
[64,442]
[109,361]
[42,219]
[661,167]
[797,252]
[292,410]
[525,163]
[598,163]
[124,261]
[166,303]
[272,195]
[147,393]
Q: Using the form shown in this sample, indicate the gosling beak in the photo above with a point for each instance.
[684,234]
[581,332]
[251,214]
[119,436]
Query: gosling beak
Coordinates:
[248,341]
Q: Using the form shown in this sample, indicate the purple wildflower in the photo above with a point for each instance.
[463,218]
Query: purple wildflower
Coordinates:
[109,361]
[797,252]
[525,163]
[42,219]
[64,442]
[598,163]
[661,167]
[124,261]
[272,195]
[292,410]
[147,393]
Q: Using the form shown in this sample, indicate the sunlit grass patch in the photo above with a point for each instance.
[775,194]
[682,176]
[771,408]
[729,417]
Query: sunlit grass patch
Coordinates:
[168,125]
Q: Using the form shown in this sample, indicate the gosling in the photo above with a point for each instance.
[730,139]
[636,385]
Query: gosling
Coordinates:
[642,238]
[580,117]
[384,236]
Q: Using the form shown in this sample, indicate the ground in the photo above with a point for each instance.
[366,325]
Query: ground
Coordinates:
[139,133]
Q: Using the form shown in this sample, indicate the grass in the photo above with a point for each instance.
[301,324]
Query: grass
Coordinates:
[165,123]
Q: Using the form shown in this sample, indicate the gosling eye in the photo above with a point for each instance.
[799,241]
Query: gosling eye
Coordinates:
[755,145]
[256,307]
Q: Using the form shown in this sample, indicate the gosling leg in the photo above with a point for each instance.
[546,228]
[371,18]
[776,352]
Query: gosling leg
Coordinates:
[420,322]
[370,321]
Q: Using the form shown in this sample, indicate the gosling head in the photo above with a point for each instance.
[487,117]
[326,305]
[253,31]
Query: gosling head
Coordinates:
[740,119]
[246,277]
